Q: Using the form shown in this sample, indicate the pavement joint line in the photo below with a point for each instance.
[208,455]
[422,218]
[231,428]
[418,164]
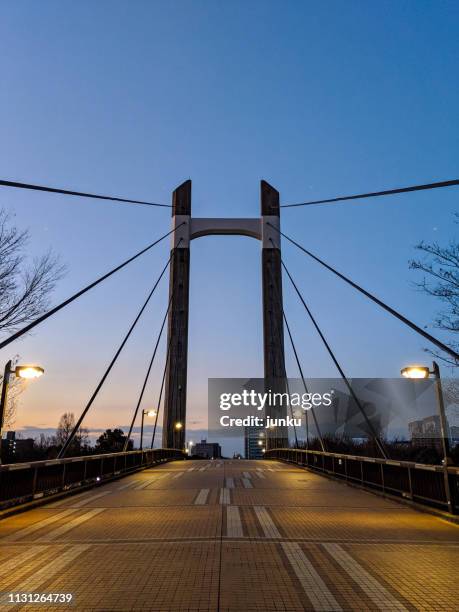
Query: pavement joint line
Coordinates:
[321,598]
[225,497]
[75,522]
[253,539]
[378,594]
[25,531]
[52,568]
[201,498]
[233,522]
[267,524]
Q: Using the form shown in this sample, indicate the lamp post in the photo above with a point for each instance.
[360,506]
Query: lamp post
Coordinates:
[150,413]
[21,371]
[422,372]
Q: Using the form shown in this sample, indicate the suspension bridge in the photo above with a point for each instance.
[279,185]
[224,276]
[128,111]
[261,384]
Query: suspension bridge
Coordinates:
[302,529]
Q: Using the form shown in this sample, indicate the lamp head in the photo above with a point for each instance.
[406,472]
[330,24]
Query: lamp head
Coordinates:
[28,371]
[415,372]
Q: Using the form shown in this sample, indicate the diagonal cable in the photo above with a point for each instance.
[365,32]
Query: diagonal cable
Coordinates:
[161,391]
[69,300]
[299,368]
[375,194]
[374,299]
[147,375]
[112,363]
[80,194]
[338,367]
[298,363]
[284,369]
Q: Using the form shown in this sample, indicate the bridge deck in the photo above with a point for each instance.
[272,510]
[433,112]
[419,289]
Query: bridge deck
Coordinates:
[231,535]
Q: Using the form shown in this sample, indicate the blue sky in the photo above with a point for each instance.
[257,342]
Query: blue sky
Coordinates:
[319,98]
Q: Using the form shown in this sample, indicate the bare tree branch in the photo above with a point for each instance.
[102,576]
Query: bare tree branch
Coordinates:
[440,266]
[24,290]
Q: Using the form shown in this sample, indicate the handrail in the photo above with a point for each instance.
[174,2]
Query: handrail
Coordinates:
[24,465]
[419,482]
[25,482]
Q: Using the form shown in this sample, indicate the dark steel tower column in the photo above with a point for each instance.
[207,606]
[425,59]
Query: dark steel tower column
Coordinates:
[273,325]
[174,420]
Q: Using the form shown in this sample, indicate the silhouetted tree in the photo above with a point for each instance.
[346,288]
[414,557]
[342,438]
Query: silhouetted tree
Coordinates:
[65,427]
[440,265]
[112,441]
[24,289]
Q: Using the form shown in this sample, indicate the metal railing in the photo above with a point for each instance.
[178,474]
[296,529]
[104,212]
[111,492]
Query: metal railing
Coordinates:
[421,483]
[23,482]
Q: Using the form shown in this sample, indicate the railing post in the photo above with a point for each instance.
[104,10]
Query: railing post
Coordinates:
[444,435]
[34,481]
[410,482]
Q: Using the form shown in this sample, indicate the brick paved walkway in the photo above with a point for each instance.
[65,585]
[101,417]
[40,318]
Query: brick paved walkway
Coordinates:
[231,535]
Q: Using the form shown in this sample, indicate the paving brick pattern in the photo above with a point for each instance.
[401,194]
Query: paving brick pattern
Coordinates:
[230,536]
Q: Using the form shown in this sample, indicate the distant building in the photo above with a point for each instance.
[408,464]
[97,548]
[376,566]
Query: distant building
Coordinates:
[16,449]
[254,442]
[454,433]
[426,432]
[207,450]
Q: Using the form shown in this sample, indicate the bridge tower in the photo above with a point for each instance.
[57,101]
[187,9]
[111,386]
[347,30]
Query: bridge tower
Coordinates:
[187,228]
[177,331]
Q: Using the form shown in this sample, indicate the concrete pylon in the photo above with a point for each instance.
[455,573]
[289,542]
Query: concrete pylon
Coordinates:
[174,419]
[273,324]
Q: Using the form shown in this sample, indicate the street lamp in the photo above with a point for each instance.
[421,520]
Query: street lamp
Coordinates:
[21,371]
[178,425]
[416,372]
[149,413]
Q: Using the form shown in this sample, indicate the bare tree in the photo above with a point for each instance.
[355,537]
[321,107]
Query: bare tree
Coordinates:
[24,289]
[65,428]
[440,266]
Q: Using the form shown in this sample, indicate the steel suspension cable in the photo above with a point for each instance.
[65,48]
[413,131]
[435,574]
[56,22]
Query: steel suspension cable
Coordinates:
[338,367]
[69,300]
[305,388]
[299,368]
[153,435]
[147,376]
[276,290]
[375,194]
[69,440]
[286,378]
[376,300]
[80,194]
